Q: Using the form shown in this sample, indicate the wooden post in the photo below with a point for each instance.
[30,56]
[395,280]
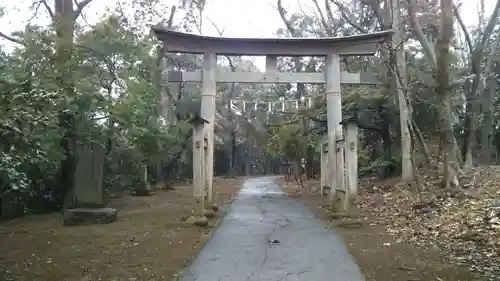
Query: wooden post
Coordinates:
[198,150]
[198,160]
[334,117]
[144,175]
[341,173]
[324,181]
[351,155]
[208,91]
[271,64]
[204,161]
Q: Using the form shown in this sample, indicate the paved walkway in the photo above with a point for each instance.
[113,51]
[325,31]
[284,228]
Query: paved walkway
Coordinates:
[267,236]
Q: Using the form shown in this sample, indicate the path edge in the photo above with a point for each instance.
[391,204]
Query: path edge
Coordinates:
[205,238]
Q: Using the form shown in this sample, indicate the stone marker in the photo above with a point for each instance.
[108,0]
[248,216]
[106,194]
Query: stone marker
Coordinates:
[88,202]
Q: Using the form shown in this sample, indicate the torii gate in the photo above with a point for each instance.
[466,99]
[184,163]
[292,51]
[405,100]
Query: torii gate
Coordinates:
[331,48]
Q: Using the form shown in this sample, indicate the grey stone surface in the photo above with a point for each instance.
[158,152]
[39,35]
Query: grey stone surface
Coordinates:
[84,216]
[267,236]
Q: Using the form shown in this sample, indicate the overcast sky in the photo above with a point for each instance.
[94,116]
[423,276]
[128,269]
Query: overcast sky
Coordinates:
[238,18]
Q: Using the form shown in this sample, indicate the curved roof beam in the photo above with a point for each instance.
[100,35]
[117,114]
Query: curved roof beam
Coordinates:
[356,45]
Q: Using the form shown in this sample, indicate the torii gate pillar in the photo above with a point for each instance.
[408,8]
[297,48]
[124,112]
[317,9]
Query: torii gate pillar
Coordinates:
[208,91]
[334,117]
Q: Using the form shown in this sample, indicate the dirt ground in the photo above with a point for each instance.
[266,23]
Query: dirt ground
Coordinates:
[148,242]
[379,255]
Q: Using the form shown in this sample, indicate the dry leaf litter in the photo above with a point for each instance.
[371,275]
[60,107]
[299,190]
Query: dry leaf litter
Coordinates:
[464,223]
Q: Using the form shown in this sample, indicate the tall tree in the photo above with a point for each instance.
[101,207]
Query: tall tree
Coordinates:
[397,80]
[64,15]
[478,49]
[444,92]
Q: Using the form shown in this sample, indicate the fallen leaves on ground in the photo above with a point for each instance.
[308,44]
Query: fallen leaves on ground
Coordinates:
[463,223]
[379,255]
[150,241]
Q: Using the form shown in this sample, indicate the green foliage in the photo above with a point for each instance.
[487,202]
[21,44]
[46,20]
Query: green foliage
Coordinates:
[26,119]
[10,175]
[290,138]
[115,97]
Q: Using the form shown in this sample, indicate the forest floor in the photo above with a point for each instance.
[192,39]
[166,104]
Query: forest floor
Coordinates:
[149,241]
[437,235]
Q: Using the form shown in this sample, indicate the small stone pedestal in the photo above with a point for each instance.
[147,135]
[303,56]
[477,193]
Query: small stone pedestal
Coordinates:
[143,188]
[86,216]
[143,191]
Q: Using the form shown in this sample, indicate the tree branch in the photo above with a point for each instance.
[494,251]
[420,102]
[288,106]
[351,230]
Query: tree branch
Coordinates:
[478,52]
[221,32]
[348,16]
[489,27]
[36,7]
[468,39]
[417,31]
[329,13]
[79,7]
[12,39]
[287,23]
[378,13]
[49,10]
[489,64]
[294,121]
[171,18]
[326,26]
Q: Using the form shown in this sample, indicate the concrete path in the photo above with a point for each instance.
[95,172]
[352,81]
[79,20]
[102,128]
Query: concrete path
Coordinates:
[267,236]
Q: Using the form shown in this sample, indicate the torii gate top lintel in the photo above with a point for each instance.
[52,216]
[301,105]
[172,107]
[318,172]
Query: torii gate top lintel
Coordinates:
[179,42]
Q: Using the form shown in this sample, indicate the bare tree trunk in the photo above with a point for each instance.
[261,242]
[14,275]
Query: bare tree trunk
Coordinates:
[440,64]
[301,89]
[487,97]
[232,133]
[444,94]
[473,108]
[297,173]
[399,86]
[232,158]
[423,144]
[163,105]
[487,130]
[249,160]
[395,71]
[418,182]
